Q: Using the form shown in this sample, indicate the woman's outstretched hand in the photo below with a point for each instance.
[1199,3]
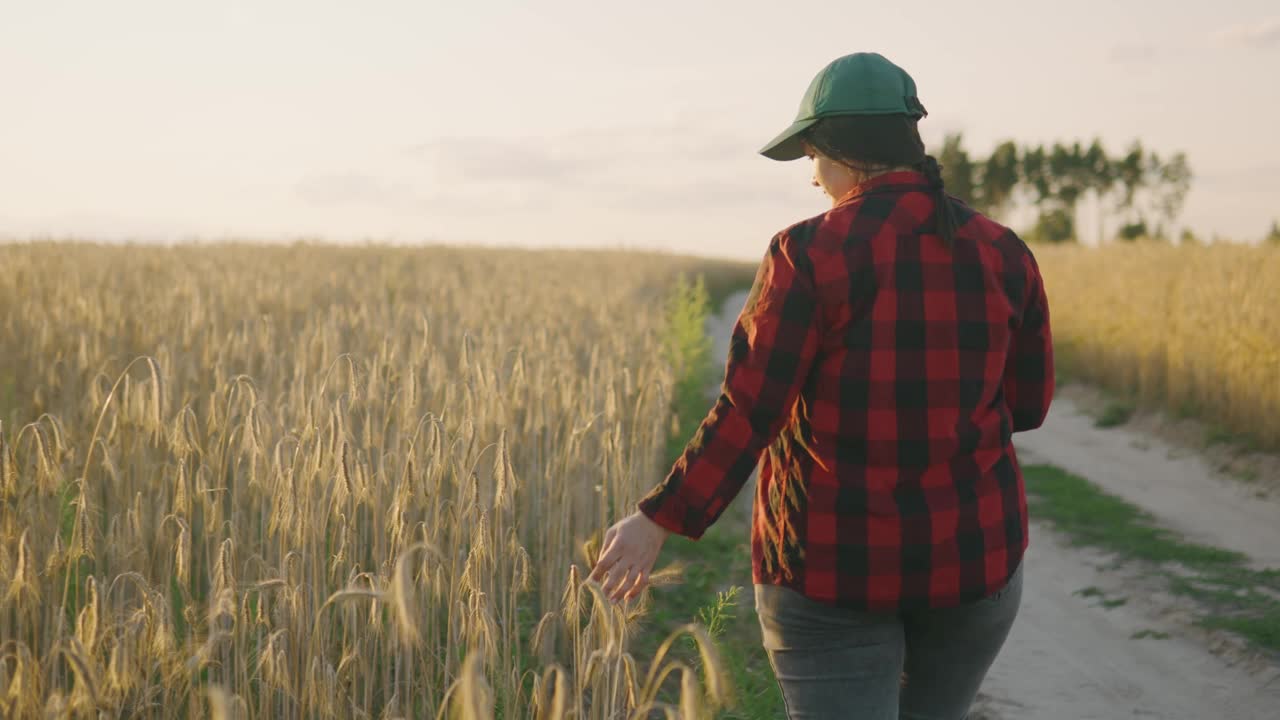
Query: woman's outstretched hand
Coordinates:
[630,549]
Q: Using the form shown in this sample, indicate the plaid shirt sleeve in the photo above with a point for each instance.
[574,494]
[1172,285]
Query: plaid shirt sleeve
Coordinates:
[771,352]
[1028,374]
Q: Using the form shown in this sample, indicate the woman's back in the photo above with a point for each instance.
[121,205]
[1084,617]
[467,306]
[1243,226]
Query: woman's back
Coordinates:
[915,334]
[893,483]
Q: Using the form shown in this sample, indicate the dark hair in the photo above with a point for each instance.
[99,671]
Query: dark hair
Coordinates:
[874,143]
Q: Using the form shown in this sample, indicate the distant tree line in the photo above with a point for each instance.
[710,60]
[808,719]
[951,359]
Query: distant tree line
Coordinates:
[1141,189]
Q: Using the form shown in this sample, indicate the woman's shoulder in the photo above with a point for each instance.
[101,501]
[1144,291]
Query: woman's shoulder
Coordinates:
[980,226]
[802,230]
[835,227]
[1007,248]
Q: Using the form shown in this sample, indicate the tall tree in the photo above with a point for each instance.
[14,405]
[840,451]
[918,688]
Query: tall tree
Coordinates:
[1045,170]
[1130,174]
[999,178]
[1054,225]
[1067,175]
[1170,182]
[957,169]
[1099,178]
[1036,173]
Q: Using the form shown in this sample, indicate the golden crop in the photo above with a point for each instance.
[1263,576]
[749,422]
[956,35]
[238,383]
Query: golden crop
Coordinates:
[318,482]
[1193,328]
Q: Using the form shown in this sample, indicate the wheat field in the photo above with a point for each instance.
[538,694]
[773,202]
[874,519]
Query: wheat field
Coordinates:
[1193,329]
[317,482]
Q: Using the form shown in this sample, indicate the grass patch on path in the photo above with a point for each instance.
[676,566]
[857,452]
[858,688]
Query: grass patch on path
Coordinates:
[717,592]
[716,589]
[1116,413]
[1233,596]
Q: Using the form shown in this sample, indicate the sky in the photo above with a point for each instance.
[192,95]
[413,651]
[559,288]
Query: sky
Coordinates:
[573,123]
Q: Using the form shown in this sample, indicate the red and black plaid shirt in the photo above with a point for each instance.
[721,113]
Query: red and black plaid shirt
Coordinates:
[885,374]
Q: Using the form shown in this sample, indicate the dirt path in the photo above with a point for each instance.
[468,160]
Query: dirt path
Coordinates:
[1175,485]
[720,328]
[1068,658]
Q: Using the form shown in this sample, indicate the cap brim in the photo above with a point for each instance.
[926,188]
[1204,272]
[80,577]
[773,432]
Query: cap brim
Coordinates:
[787,146]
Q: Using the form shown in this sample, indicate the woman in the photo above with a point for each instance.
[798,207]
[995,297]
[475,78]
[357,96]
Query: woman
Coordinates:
[889,349]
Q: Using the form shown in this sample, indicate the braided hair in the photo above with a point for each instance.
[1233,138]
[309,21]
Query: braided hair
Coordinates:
[875,143]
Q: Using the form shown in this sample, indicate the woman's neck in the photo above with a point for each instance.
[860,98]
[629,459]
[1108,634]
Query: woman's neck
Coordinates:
[862,177]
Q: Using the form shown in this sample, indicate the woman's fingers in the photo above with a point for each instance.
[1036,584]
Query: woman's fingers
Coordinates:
[608,555]
[642,579]
[608,558]
[619,582]
[609,535]
[628,585]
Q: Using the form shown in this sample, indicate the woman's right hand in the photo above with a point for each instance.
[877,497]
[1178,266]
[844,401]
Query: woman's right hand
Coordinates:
[630,549]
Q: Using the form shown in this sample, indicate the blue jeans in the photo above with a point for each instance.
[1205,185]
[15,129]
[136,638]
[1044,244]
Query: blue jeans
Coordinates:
[834,663]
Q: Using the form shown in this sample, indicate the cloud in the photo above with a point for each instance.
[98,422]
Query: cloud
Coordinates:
[1133,53]
[92,225]
[579,158]
[708,194]
[1261,34]
[1252,177]
[353,188]
[638,168]
[500,158]
[646,170]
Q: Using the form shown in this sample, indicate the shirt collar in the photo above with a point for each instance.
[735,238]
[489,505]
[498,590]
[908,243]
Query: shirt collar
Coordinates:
[900,181]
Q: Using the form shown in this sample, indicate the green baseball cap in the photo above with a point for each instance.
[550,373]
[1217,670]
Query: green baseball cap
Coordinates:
[858,84]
